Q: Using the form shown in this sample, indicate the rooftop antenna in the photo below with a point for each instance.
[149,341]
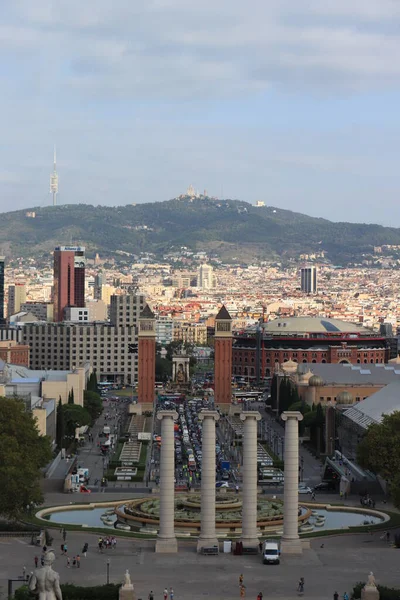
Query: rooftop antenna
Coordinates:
[54,180]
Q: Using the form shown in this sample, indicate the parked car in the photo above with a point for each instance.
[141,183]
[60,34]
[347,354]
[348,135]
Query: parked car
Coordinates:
[325,486]
[305,490]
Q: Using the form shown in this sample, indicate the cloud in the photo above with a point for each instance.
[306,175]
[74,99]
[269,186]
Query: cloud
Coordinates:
[180,49]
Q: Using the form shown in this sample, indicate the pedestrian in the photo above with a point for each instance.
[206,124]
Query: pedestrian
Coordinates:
[64,534]
[74,561]
[260,545]
[165,594]
[388,536]
[151,595]
[36,561]
[68,562]
[345,596]
[65,548]
[62,548]
[242,591]
[42,560]
[78,561]
[85,549]
[171,593]
[241,579]
[237,489]
[260,596]
[335,596]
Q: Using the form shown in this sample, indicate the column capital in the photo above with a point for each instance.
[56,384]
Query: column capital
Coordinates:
[250,414]
[292,414]
[208,414]
[167,414]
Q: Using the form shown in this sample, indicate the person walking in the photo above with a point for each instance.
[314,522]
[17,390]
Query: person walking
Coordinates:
[260,596]
[150,596]
[345,596]
[171,593]
[242,591]
[241,579]
[64,534]
[335,596]
[85,549]
[165,594]
[68,562]
[36,561]
[78,561]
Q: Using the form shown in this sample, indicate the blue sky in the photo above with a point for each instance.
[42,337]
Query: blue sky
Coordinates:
[293,102]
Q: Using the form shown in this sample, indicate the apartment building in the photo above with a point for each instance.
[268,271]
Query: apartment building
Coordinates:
[190,333]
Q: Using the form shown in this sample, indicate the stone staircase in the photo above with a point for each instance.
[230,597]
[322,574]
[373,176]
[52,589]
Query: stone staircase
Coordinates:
[131,450]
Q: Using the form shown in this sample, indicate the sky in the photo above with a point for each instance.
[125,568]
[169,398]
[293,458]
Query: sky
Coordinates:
[292,102]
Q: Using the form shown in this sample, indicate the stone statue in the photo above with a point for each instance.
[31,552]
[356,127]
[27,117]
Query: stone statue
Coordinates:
[371,580]
[127,579]
[44,581]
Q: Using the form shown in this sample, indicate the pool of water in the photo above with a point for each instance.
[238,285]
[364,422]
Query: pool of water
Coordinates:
[333,519]
[90,517]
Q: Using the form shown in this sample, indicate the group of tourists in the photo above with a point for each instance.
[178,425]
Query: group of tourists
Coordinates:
[107,543]
[242,589]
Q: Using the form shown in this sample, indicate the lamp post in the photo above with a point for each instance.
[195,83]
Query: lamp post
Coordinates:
[108,571]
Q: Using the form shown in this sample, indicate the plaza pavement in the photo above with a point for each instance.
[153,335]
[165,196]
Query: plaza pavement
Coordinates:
[338,565]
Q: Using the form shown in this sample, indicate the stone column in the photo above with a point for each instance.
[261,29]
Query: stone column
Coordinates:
[166,540]
[208,535]
[249,471]
[290,543]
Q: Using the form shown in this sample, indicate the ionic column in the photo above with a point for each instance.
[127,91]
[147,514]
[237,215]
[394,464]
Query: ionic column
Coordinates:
[290,543]
[249,471]
[208,535]
[166,540]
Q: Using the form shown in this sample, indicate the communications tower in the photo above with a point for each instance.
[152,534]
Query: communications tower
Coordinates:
[54,180]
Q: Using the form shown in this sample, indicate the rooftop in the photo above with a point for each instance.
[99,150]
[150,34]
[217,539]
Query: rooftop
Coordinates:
[292,325]
[372,409]
[347,374]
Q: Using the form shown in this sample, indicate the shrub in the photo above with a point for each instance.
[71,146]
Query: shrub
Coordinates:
[77,592]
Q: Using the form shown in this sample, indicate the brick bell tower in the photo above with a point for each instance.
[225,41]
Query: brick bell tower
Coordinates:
[223,360]
[147,358]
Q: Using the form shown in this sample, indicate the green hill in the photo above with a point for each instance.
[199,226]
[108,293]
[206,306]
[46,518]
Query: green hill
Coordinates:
[231,229]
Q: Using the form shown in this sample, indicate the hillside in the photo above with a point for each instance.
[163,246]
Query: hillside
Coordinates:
[231,229]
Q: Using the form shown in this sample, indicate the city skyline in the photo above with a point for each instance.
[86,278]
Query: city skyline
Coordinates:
[294,108]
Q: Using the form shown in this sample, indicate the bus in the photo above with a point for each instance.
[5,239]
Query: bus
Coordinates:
[248,396]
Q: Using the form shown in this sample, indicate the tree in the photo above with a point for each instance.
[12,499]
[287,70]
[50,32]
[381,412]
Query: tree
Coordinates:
[93,403]
[23,452]
[274,392]
[60,425]
[379,451]
[71,396]
[74,416]
[92,382]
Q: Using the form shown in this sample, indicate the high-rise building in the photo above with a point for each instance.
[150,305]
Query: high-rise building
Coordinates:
[99,281]
[125,309]
[2,320]
[69,279]
[16,297]
[308,276]
[206,278]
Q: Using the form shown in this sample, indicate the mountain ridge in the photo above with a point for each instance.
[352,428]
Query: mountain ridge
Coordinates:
[230,229]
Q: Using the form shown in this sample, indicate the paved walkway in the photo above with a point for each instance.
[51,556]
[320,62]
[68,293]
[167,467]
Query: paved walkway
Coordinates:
[334,563]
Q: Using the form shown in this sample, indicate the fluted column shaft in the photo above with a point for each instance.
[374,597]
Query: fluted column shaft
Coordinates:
[208,535]
[290,539]
[249,471]
[166,540]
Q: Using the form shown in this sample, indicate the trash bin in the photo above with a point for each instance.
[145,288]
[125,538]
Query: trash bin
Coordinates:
[227,546]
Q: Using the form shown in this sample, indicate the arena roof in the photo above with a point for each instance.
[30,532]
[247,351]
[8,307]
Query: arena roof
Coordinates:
[372,409]
[310,325]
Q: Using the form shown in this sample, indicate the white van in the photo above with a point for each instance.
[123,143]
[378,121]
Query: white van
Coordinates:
[271,553]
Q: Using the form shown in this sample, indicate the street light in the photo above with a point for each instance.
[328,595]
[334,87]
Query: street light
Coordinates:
[108,571]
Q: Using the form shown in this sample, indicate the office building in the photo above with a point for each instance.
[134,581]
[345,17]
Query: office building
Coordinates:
[308,277]
[99,281]
[16,297]
[69,279]
[2,320]
[164,330]
[65,346]
[125,309]
[43,311]
[206,278]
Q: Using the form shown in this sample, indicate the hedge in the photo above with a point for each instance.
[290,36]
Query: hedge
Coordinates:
[77,592]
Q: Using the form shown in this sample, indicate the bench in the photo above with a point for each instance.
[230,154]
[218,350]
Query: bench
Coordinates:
[211,550]
[250,550]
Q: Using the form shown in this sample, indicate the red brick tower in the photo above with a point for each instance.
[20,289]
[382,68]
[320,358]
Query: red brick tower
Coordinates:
[223,359]
[147,358]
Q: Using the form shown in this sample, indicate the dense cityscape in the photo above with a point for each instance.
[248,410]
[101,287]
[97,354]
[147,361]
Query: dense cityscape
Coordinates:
[199,386]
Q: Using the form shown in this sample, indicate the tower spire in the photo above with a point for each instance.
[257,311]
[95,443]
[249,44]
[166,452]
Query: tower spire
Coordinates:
[54,179]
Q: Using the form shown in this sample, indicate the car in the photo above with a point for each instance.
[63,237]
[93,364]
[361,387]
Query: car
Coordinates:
[305,490]
[222,484]
[325,486]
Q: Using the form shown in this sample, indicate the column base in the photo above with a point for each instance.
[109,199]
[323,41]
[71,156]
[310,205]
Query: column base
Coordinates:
[291,546]
[250,542]
[166,545]
[206,543]
[127,593]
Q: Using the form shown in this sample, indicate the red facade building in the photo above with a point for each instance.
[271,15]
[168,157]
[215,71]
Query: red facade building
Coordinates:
[306,340]
[69,279]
